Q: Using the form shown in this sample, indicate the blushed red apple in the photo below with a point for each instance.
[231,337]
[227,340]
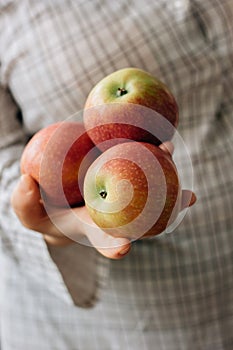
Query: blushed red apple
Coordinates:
[57,157]
[133,190]
[130,104]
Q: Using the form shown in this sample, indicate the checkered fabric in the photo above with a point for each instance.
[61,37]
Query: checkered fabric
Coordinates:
[173,292]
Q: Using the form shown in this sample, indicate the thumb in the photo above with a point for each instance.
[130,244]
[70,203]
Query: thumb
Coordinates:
[26,201]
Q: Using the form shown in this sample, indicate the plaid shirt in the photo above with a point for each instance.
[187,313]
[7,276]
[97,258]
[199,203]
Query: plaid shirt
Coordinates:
[173,292]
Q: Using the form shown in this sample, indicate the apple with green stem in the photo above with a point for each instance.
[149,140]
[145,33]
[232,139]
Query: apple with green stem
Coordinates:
[57,157]
[130,104]
[132,190]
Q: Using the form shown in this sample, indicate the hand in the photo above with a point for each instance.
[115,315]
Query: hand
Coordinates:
[28,206]
[188,197]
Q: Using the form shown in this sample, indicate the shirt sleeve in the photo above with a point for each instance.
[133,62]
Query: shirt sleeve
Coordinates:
[54,267]
[29,83]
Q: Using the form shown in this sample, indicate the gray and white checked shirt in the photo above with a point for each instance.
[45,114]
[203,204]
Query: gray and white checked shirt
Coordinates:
[174,292]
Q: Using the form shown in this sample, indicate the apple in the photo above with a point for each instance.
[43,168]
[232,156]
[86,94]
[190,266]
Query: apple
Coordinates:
[133,190]
[130,104]
[57,157]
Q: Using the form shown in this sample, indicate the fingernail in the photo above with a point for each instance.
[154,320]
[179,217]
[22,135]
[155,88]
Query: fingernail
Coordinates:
[193,199]
[25,185]
[124,251]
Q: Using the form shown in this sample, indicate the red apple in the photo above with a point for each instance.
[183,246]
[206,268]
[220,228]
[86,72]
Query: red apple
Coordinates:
[57,157]
[130,104]
[133,190]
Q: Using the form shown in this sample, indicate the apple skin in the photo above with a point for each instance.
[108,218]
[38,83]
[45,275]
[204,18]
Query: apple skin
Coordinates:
[130,104]
[132,190]
[53,157]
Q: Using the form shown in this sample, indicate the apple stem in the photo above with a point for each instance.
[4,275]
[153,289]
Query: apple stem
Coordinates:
[121,91]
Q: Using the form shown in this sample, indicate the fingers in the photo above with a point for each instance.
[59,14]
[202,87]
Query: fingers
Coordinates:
[110,247]
[115,252]
[26,202]
[188,199]
[167,147]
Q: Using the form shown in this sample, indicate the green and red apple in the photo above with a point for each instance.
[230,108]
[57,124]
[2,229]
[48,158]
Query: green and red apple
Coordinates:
[130,104]
[57,157]
[133,190]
